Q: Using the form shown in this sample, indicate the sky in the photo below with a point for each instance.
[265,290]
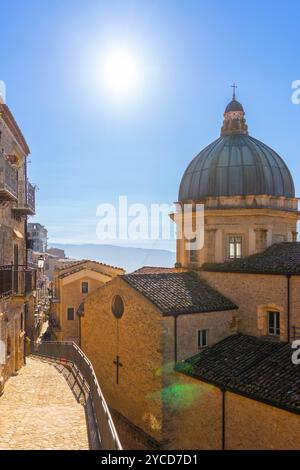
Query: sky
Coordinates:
[89,146]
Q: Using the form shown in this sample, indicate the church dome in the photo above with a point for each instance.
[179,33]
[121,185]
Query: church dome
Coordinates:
[236,164]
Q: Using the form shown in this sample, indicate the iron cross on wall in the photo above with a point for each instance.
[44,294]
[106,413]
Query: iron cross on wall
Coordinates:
[118,364]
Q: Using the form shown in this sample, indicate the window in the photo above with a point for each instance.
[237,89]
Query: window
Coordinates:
[70,313]
[274,323]
[193,253]
[234,246]
[84,287]
[8,347]
[202,338]
[117,306]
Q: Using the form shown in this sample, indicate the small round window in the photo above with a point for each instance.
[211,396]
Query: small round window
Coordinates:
[117,306]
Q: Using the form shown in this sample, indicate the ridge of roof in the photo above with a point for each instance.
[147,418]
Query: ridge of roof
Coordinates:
[85,261]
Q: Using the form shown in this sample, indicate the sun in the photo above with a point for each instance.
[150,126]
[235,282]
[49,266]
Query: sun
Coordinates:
[121,74]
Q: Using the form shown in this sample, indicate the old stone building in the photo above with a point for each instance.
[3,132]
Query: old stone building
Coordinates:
[17,281]
[200,356]
[72,282]
[37,235]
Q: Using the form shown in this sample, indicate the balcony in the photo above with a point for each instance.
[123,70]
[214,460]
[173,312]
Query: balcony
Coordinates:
[16,280]
[8,181]
[26,200]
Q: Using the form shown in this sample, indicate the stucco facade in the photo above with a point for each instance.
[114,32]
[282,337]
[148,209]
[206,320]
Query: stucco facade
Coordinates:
[72,283]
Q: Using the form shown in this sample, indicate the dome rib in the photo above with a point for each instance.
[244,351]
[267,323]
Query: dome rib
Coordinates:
[260,167]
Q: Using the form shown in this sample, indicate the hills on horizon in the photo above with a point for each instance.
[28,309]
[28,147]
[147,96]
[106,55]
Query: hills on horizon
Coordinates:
[129,258]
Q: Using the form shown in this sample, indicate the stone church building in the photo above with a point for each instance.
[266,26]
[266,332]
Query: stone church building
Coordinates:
[200,356]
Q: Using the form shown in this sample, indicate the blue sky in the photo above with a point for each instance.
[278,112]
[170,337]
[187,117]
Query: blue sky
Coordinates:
[88,148]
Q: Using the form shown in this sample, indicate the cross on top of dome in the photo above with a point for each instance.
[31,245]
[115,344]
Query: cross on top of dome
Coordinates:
[234,86]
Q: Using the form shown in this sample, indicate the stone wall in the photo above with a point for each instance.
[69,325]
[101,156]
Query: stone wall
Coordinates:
[197,423]
[219,326]
[254,425]
[194,415]
[255,294]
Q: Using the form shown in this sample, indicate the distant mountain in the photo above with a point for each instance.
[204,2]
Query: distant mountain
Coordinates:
[128,258]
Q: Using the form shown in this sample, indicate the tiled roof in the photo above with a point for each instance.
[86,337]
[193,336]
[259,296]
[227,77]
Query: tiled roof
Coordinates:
[74,266]
[254,367]
[280,258]
[153,270]
[179,293]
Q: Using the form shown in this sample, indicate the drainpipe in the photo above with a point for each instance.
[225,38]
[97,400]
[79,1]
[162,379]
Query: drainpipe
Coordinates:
[175,339]
[223,391]
[79,330]
[26,217]
[288,307]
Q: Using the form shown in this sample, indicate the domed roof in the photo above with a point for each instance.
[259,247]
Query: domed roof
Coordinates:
[236,164]
[234,105]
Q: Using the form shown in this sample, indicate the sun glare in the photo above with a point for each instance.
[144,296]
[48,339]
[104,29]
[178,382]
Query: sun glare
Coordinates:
[120,72]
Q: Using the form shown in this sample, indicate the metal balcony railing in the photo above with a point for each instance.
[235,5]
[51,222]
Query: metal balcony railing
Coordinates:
[31,197]
[16,280]
[26,198]
[67,352]
[8,180]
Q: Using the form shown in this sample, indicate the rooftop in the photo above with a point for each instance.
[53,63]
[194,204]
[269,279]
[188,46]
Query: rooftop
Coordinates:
[153,270]
[280,258]
[253,367]
[70,267]
[179,293]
